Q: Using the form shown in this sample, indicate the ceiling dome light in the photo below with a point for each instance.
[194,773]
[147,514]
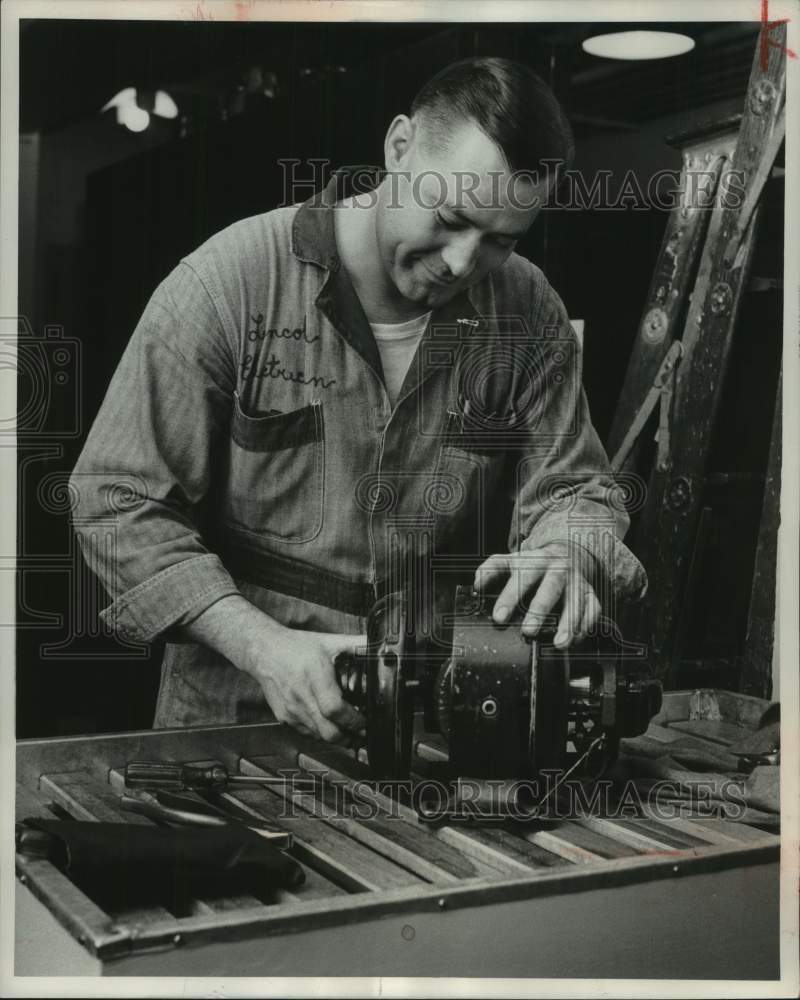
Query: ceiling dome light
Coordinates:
[120,100]
[133,117]
[164,105]
[638,45]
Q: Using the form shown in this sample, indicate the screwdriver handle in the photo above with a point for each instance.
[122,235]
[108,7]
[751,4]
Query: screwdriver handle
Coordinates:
[155,774]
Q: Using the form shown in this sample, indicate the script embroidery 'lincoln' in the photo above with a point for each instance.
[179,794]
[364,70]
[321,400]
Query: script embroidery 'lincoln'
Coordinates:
[258,332]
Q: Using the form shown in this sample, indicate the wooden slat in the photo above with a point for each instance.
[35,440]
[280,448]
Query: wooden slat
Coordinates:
[28,803]
[390,836]
[710,829]
[484,859]
[484,847]
[328,851]
[600,846]
[589,838]
[316,886]
[729,832]
[691,826]
[418,845]
[767,823]
[562,846]
[77,793]
[394,839]
[663,831]
[515,844]
[645,841]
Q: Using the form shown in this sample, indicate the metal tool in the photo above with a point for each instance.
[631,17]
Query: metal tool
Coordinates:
[185,812]
[508,707]
[201,777]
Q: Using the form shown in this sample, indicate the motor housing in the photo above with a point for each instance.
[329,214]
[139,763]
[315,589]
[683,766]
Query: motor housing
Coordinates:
[508,706]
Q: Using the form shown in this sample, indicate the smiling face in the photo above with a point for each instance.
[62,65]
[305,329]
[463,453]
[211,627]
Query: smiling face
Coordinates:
[447,217]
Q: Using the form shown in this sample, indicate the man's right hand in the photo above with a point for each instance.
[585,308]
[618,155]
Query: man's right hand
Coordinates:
[297,676]
[294,668]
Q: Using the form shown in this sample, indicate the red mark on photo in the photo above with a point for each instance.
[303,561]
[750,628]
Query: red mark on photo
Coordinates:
[765,42]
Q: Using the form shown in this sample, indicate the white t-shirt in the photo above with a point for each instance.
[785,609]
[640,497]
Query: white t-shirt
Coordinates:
[397,344]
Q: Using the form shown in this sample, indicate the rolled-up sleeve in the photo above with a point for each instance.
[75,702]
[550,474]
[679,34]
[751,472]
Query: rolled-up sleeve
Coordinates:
[139,485]
[565,490]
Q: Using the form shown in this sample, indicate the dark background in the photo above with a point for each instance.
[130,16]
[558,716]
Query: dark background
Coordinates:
[105,214]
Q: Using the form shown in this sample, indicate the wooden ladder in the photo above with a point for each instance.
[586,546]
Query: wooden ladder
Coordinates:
[682,349]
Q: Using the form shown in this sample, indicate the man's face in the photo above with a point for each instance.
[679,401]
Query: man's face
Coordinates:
[446,219]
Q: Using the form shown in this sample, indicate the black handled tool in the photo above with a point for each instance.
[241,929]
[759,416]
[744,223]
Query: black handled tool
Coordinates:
[201,777]
[177,810]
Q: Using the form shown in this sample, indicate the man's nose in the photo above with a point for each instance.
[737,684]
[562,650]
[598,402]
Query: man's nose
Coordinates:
[461,253]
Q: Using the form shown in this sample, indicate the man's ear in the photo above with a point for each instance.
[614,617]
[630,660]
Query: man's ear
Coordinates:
[399,140]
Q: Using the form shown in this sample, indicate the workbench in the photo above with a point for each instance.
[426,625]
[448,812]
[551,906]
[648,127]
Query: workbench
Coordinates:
[594,897]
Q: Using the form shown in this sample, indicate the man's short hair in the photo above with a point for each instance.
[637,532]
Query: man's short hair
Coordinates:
[509,103]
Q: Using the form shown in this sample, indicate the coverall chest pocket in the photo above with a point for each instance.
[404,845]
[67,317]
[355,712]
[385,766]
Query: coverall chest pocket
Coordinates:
[277,472]
[469,480]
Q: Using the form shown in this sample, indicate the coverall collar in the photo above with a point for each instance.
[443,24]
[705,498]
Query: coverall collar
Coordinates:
[314,241]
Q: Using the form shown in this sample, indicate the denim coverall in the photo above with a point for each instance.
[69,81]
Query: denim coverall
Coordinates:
[247,444]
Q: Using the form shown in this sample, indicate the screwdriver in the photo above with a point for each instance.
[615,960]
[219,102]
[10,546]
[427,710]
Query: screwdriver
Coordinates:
[202,777]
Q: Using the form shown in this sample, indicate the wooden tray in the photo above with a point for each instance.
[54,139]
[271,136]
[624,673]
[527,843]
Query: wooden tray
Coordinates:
[385,895]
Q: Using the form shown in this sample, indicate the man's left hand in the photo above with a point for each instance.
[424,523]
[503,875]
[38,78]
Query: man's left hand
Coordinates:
[560,576]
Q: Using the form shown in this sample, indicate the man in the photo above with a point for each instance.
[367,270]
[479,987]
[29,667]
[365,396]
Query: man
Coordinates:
[319,388]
